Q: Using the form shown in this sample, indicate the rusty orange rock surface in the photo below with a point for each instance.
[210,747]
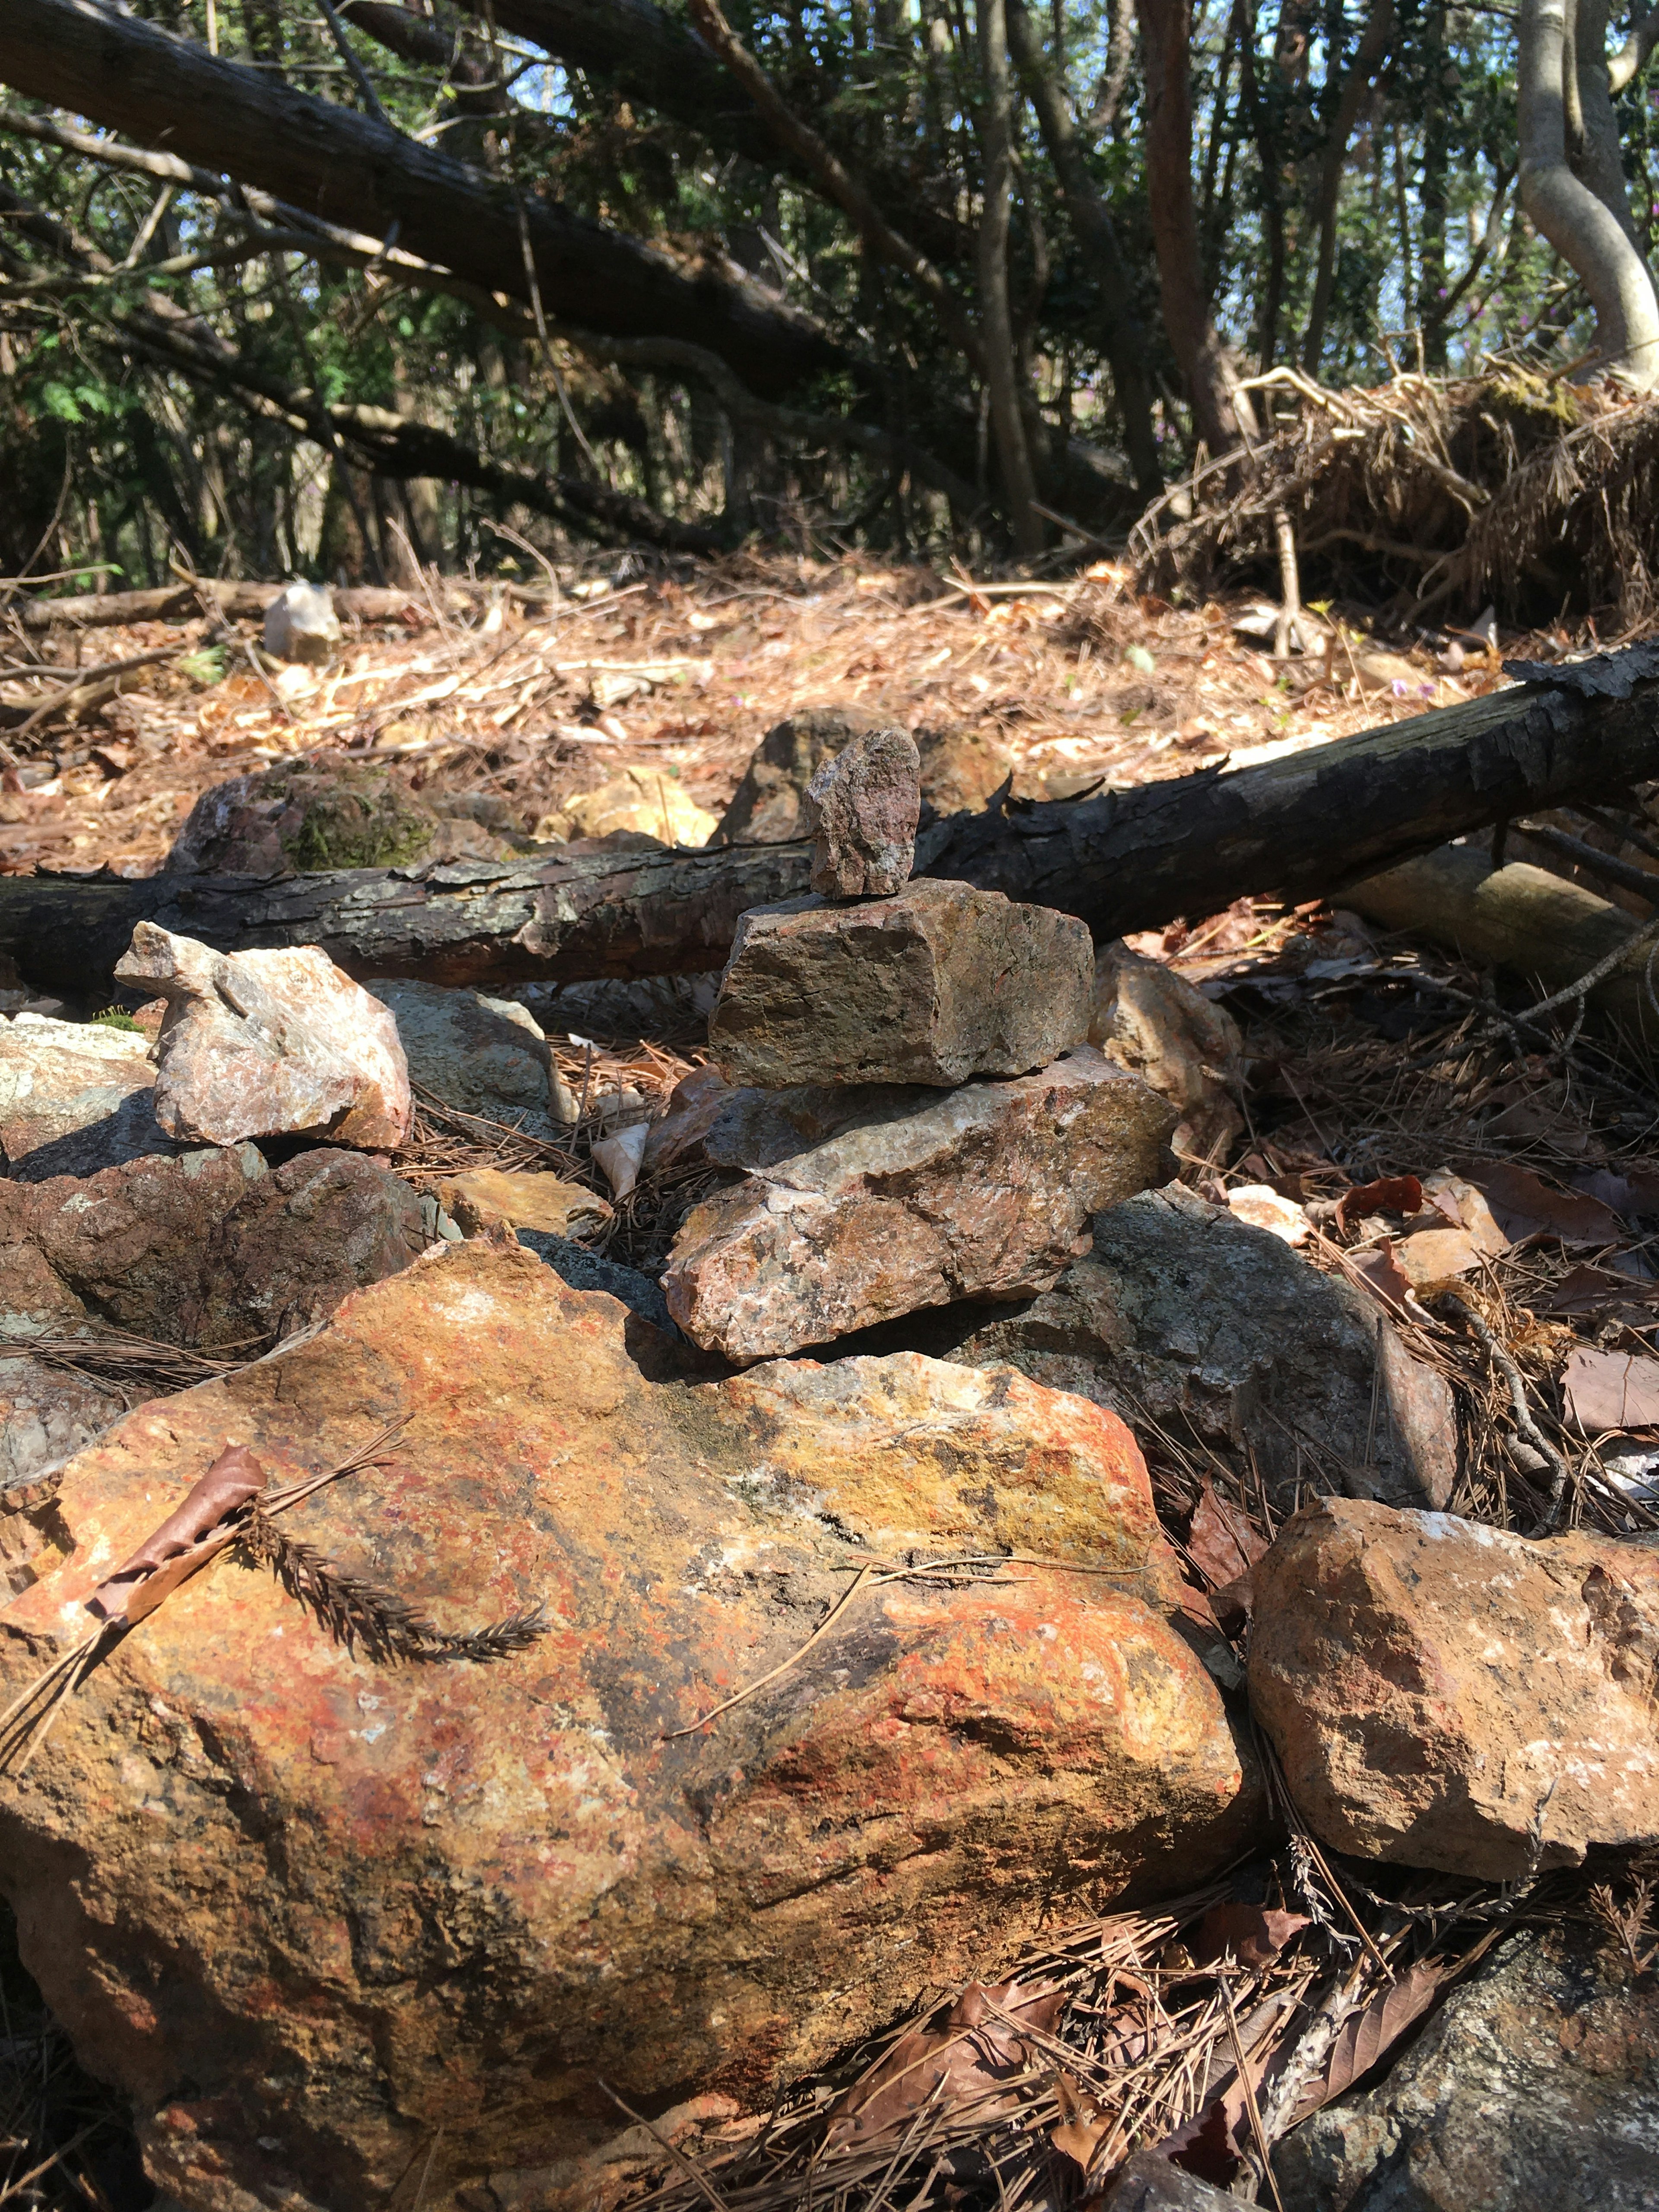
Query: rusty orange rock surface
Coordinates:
[1444,1694]
[310,1910]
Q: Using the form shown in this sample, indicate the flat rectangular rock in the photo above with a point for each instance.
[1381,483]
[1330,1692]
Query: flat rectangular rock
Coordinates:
[859,1205]
[938,983]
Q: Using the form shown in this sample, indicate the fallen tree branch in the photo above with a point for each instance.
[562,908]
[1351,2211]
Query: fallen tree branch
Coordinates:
[1126,860]
[222,116]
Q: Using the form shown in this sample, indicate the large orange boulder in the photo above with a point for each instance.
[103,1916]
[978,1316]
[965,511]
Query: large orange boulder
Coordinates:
[331,1921]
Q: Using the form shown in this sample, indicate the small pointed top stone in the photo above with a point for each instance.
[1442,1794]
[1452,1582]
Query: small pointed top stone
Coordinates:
[861,809]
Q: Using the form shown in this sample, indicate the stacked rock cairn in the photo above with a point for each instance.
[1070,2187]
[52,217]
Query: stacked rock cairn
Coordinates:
[917,1119]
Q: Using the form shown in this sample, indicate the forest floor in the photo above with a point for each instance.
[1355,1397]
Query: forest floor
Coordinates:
[684,674]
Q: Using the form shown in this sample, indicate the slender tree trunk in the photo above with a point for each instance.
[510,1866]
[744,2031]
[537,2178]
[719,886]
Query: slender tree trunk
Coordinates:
[1597,158]
[1124,339]
[1432,293]
[1222,412]
[1261,130]
[1372,52]
[995,315]
[1588,235]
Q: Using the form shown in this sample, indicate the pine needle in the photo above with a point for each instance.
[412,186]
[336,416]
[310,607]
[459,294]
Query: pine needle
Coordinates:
[359,1613]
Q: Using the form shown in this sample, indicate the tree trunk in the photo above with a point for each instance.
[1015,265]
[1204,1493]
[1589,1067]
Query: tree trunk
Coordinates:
[1272,195]
[234,119]
[1221,411]
[1370,57]
[1125,341]
[1129,861]
[1001,368]
[1589,235]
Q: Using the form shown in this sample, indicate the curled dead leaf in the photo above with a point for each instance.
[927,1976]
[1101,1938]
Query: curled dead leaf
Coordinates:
[1366,2035]
[233,1478]
[1389,1195]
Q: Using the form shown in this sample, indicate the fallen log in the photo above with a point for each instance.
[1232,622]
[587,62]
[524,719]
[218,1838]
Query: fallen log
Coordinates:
[1520,919]
[1129,860]
[185,602]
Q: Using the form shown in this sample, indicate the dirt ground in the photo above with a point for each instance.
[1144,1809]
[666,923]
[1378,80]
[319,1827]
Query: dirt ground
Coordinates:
[682,673]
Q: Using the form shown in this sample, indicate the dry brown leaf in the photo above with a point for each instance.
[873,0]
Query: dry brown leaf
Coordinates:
[1611,1390]
[1365,2035]
[1526,1206]
[1434,1256]
[233,1478]
[1391,1194]
[1254,1933]
[1379,1271]
[1587,1290]
[963,2058]
[1223,1542]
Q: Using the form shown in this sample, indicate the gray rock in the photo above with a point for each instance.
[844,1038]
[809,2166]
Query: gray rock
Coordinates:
[861,810]
[936,984]
[1535,2089]
[662,1006]
[766,807]
[1219,1330]
[1149,2184]
[301,624]
[481,1055]
[74,1097]
[589,1270]
[857,1205]
[47,1413]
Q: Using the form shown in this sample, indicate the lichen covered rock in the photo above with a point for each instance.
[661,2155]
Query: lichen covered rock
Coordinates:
[328,1918]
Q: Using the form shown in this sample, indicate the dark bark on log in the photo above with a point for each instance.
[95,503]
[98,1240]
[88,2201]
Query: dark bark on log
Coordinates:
[337,165]
[1130,859]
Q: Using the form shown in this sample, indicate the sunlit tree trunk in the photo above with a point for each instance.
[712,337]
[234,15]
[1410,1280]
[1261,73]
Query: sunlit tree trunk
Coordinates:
[1593,237]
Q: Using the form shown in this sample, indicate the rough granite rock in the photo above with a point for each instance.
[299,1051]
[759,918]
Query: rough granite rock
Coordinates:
[1220,1331]
[1147,2183]
[583,1270]
[483,1196]
[1153,1022]
[860,812]
[1444,1694]
[1534,2089]
[482,1055]
[858,1206]
[208,1249]
[301,624]
[936,984]
[322,1918]
[318,812]
[47,1413]
[767,806]
[961,769]
[74,1097]
[261,1044]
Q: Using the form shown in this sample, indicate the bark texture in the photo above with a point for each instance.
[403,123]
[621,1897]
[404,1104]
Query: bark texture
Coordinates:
[1588,234]
[1220,410]
[1127,860]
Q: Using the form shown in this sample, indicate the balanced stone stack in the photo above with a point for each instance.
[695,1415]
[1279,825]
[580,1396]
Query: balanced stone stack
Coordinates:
[918,1120]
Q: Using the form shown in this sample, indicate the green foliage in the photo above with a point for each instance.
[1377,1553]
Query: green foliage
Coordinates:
[110,454]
